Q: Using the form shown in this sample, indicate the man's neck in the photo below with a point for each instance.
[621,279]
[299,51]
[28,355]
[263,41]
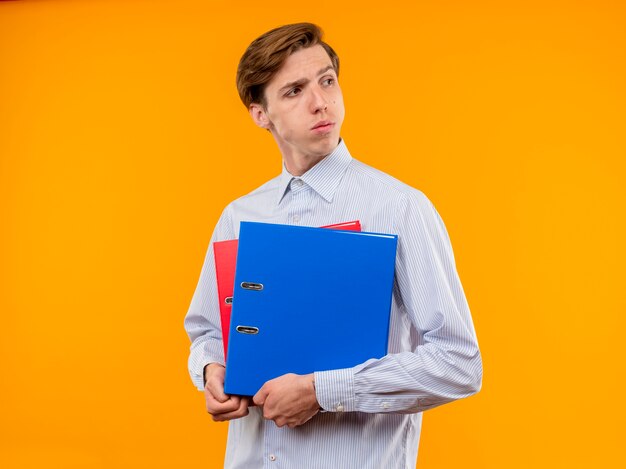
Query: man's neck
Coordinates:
[297,164]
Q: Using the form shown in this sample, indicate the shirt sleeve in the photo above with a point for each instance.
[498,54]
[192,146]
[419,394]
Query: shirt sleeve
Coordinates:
[202,321]
[445,365]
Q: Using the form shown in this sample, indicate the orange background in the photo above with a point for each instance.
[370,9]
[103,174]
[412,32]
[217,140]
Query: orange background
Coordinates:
[122,138]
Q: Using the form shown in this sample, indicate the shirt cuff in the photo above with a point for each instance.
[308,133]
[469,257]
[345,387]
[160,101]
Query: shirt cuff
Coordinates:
[208,352]
[334,390]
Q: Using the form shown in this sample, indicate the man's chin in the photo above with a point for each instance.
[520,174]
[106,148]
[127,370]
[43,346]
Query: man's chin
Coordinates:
[326,146]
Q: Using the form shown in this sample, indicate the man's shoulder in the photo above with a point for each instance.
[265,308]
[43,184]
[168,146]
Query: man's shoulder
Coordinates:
[254,205]
[265,193]
[383,181]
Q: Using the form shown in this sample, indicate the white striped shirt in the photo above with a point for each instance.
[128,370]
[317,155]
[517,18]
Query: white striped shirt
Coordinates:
[373,417]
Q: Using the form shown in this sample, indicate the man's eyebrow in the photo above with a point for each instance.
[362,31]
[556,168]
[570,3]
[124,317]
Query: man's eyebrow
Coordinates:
[302,81]
[293,84]
[325,69]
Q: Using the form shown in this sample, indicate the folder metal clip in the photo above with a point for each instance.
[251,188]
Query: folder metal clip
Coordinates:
[247,329]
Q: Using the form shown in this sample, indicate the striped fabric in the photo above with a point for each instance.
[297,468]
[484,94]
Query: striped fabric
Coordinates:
[373,410]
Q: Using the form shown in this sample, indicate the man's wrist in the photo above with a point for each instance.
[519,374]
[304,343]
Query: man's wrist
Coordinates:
[207,368]
[312,376]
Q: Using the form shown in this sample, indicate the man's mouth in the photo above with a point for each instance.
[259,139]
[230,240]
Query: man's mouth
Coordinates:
[323,126]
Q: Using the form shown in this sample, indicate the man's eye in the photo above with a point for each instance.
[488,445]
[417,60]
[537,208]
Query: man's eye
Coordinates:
[293,92]
[328,81]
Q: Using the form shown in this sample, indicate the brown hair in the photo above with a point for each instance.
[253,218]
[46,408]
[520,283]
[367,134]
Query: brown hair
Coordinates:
[266,55]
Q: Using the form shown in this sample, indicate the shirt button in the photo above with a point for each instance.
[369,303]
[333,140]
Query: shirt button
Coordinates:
[296,218]
[339,408]
[272,457]
[298,182]
[385,405]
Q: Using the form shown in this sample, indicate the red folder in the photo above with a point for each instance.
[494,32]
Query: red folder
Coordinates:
[225,253]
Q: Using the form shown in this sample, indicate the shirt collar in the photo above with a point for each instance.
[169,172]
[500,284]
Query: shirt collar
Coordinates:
[324,177]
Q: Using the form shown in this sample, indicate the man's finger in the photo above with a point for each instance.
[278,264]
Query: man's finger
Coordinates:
[212,400]
[216,390]
[241,411]
[260,396]
[214,407]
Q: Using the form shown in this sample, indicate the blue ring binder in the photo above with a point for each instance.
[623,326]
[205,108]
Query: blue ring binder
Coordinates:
[324,303]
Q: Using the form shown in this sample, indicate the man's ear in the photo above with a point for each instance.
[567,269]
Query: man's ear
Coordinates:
[259,115]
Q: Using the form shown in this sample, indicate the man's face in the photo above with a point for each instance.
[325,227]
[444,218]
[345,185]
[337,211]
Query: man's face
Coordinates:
[304,106]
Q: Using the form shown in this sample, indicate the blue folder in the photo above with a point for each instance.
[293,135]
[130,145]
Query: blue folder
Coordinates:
[305,300]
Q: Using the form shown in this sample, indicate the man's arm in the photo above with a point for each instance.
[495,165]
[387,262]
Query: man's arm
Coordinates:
[202,323]
[446,364]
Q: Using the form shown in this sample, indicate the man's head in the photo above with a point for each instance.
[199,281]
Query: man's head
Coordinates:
[267,54]
[288,80]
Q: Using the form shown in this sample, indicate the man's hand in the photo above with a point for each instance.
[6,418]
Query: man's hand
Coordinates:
[288,400]
[221,406]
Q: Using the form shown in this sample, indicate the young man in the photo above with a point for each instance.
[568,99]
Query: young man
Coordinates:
[368,416]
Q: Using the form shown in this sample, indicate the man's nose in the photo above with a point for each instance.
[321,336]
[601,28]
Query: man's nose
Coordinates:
[318,100]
